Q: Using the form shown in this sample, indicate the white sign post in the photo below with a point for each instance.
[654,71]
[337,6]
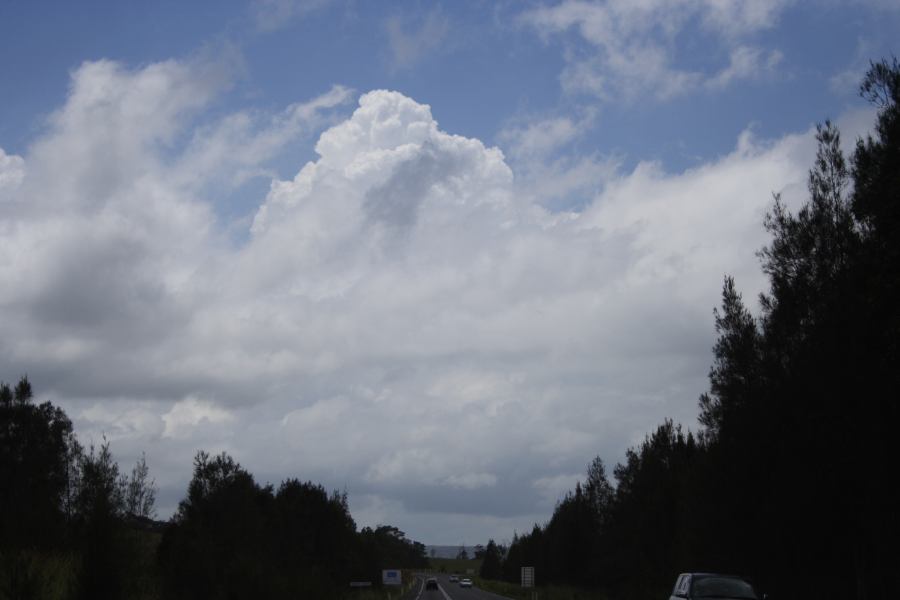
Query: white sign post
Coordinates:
[391,577]
[527,577]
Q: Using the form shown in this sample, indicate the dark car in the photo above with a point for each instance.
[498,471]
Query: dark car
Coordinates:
[431,584]
[713,586]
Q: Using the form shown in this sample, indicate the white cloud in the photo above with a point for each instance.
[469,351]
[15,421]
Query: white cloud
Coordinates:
[548,172]
[541,137]
[401,320]
[410,43]
[121,420]
[12,171]
[737,17]
[633,47]
[233,149]
[746,63]
[187,414]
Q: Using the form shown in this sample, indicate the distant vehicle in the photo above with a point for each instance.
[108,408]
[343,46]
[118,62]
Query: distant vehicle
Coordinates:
[431,584]
[465,582]
[713,586]
[454,578]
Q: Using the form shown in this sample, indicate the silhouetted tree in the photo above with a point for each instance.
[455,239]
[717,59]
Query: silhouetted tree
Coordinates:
[386,547]
[99,508]
[139,491]
[215,546]
[491,559]
[789,480]
[36,449]
[234,538]
[478,552]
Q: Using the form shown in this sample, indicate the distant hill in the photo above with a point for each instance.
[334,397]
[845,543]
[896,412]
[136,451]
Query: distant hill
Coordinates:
[448,551]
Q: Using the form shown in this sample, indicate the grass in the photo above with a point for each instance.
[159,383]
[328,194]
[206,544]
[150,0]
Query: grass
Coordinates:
[455,565]
[38,574]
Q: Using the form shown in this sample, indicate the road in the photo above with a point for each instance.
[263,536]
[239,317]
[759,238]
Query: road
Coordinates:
[451,591]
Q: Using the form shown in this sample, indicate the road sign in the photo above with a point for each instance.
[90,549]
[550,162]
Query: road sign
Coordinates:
[527,577]
[390,577]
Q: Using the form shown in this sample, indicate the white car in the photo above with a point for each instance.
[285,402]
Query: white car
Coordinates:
[454,578]
[465,582]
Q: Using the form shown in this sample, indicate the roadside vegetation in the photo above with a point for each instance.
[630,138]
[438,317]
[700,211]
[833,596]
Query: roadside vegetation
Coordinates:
[789,480]
[460,566]
[72,526]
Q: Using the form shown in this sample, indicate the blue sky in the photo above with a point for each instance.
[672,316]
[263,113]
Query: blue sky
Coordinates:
[481,67]
[438,254]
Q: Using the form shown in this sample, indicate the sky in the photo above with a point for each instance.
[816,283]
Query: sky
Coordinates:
[436,254]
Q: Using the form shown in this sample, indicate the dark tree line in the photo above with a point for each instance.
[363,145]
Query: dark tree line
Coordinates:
[66,514]
[72,526]
[233,538]
[791,477]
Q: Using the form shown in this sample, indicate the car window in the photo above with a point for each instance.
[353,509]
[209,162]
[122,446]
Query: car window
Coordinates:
[722,587]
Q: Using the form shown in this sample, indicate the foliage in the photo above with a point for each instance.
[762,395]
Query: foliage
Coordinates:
[139,491]
[62,509]
[232,537]
[73,526]
[456,565]
[789,480]
[492,558]
[36,450]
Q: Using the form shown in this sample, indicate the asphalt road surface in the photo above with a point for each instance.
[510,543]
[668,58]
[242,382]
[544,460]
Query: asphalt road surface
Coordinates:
[450,590]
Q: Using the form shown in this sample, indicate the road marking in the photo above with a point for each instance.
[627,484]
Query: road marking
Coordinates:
[421,589]
[441,590]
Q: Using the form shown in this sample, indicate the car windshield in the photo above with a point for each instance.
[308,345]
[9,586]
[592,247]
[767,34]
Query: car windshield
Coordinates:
[722,587]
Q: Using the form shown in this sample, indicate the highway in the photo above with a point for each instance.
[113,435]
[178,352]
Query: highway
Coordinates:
[450,590]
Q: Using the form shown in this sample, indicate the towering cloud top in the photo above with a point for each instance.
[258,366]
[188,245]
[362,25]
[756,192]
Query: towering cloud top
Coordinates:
[390,166]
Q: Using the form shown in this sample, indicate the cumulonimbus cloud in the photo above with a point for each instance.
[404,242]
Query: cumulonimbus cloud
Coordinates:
[399,319]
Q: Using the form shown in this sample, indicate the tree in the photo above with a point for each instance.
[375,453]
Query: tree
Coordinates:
[232,538]
[37,452]
[735,373]
[790,478]
[139,491]
[491,563]
[812,386]
[478,552]
[36,448]
[99,508]
[216,544]
[599,491]
[462,554]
